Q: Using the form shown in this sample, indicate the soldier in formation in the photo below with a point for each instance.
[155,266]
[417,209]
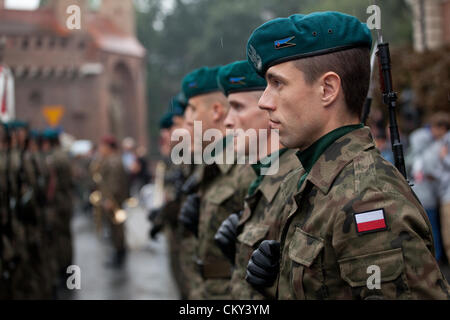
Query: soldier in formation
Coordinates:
[36,209]
[331,210]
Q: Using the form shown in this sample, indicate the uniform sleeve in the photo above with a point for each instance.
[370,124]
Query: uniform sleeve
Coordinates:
[401,252]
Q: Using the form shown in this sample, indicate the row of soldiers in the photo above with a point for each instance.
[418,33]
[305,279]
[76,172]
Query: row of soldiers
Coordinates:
[320,212]
[35,213]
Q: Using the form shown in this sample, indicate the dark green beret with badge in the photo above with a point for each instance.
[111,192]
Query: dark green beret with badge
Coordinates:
[239,76]
[177,105]
[301,36]
[166,121]
[200,81]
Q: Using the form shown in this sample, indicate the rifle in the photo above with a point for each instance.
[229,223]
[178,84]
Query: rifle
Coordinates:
[390,99]
[369,98]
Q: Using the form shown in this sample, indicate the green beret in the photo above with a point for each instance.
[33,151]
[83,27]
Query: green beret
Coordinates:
[15,124]
[176,106]
[200,81]
[181,99]
[301,36]
[239,76]
[50,134]
[7,125]
[166,121]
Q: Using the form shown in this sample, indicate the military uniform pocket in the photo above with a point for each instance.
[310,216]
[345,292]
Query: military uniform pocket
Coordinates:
[253,234]
[220,195]
[304,251]
[356,272]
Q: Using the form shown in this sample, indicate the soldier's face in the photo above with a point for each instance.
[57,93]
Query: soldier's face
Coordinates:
[104,150]
[293,106]
[244,114]
[188,124]
[201,107]
[33,146]
[178,123]
[46,146]
[164,142]
[21,136]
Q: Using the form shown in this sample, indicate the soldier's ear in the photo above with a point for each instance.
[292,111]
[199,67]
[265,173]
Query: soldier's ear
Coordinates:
[330,88]
[218,111]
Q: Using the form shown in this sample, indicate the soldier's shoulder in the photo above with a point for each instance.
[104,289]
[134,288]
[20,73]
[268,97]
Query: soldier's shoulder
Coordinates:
[368,170]
[370,183]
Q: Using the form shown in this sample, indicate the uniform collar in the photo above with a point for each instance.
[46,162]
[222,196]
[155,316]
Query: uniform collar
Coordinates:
[332,155]
[265,163]
[270,184]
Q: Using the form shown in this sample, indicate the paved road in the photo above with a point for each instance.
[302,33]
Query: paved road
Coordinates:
[145,276]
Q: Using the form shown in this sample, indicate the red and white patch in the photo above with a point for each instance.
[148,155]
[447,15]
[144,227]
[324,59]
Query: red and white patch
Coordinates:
[370,221]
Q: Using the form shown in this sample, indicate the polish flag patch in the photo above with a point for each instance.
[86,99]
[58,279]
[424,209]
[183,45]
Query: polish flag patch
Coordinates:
[370,221]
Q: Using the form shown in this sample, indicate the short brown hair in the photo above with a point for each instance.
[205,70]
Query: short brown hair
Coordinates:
[352,66]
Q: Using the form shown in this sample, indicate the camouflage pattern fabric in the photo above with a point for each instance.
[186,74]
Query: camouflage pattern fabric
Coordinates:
[225,195]
[323,256]
[190,278]
[60,193]
[261,220]
[114,187]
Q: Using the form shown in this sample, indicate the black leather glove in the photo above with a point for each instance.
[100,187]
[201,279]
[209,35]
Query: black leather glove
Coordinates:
[155,230]
[190,185]
[226,236]
[153,214]
[178,182]
[189,213]
[264,265]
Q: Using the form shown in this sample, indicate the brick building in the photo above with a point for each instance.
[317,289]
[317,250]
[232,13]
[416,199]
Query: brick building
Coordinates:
[97,74]
[431,24]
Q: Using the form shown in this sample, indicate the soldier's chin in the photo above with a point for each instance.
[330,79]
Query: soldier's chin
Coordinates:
[287,142]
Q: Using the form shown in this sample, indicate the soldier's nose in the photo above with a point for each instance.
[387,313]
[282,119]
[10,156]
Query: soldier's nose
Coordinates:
[228,122]
[265,102]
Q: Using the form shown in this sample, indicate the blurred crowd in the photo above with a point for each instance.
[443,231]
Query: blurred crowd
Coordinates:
[427,160]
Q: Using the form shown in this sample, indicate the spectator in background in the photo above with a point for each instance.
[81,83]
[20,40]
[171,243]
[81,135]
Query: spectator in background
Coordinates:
[444,189]
[383,144]
[139,173]
[130,163]
[427,170]
[128,154]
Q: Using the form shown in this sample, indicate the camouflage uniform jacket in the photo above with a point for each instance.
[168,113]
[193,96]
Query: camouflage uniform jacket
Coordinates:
[223,196]
[190,277]
[58,162]
[260,221]
[114,181]
[325,254]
